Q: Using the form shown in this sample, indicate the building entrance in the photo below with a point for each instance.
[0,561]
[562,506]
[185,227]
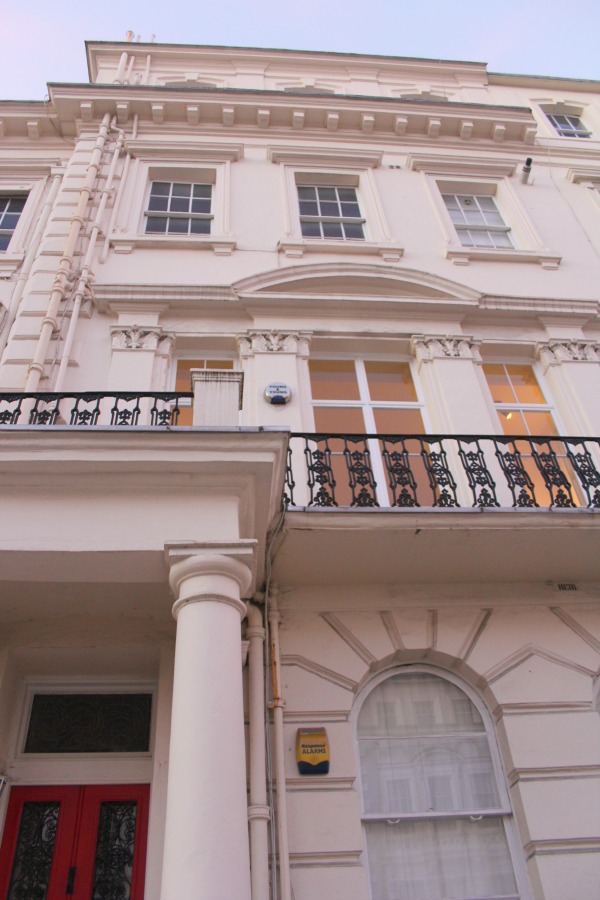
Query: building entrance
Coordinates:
[83,842]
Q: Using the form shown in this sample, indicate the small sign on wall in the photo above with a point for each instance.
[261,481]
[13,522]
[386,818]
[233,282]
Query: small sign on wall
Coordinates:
[312,751]
[277,393]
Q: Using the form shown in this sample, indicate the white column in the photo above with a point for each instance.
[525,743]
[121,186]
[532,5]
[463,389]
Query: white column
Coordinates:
[206,853]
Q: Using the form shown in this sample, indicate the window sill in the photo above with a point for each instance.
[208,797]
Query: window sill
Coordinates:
[297,248]
[462,256]
[9,263]
[220,244]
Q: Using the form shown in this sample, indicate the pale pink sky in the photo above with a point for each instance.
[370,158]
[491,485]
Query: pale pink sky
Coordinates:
[43,41]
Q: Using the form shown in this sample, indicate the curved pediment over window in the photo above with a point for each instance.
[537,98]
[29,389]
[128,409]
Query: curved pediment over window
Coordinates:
[356,281]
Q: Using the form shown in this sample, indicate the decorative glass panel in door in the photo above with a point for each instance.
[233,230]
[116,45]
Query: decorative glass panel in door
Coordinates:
[86,843]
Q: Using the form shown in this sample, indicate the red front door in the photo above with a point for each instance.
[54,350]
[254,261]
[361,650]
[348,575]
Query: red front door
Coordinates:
[83,843]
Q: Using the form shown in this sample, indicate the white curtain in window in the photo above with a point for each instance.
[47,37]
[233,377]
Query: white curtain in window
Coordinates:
[424,750]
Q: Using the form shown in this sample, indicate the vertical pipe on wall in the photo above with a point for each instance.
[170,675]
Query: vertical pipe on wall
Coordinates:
[258,809]
[30,256]
[278,705]
[84,277]
[61,281]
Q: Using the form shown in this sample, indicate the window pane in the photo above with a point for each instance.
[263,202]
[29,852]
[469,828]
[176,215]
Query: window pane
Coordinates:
[179,204]
[178,226]
[398,421]
[332,230]
[417,704]
[310,229]
[155,225]
[525,385]
[390,381]
[89,723]
[512,421]
[326,193]
[438,860]
[161,188]
[499,383]
[158,203]
[309,208]
[333,379]
[182,190]
[540,423]
[339,420]
[443,774]
[307,193]
[353,231]
[202,190]
[200,226]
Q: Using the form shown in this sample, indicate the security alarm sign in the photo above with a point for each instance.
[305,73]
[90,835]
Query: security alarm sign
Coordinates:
[312,751]
[278,393]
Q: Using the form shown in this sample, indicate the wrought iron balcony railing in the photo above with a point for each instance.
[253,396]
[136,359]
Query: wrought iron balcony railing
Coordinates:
[408,471]
[362,471]
[95,408]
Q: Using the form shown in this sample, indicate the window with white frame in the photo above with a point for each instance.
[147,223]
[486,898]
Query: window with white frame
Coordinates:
[520,403]
[328,211]
[368,396]
[179,208]
[11,207]
[436,813]
[477,221]
[568,125]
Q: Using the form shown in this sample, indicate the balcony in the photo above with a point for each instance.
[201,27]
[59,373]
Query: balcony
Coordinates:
[399,472]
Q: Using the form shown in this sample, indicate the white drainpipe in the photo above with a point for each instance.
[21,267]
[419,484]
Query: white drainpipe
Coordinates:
[30,257]
[61,281]
[258,809]
[278,704]
[84,277]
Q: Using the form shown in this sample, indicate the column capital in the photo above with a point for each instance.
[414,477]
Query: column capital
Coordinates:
[427,347]
[211,570]
[555,352]
[138,337]
[274,342]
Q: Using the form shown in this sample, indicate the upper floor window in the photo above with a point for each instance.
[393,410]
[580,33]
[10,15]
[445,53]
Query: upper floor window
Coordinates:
[477,221]
[11,207]
[521,406]
[179,208]
[356,396]
[436,814]
[330,212]
[569,125]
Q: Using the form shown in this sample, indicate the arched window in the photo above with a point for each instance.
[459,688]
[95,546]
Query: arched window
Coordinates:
[436,813]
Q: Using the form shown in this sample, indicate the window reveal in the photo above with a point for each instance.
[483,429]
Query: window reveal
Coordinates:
[11,207]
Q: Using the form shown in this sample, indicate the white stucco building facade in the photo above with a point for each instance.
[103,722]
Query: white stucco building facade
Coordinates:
[402,549]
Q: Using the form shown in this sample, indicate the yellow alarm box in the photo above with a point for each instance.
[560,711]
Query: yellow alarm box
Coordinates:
[312,751]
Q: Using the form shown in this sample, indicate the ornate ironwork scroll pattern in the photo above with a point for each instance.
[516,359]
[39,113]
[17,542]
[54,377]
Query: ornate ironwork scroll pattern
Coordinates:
[113,865]
[517,477]
[89,723]
[360,473]
[91,408]
[290,484]
[34,851]
[440,477]
[481,482]
[320,473]
[557,483]
[400,477]
[586,471]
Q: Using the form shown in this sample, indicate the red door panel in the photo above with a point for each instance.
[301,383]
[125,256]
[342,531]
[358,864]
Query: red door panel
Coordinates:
[75,842]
